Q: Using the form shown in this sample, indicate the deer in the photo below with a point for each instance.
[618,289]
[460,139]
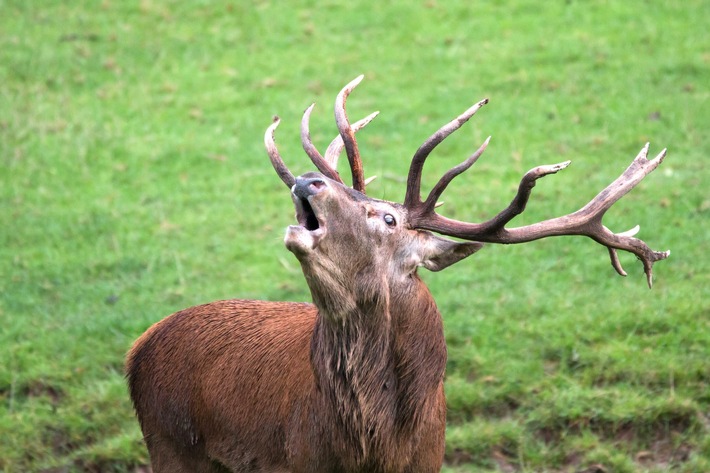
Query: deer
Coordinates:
[354,380]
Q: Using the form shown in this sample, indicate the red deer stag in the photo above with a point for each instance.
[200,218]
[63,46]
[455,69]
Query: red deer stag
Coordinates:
[354,381]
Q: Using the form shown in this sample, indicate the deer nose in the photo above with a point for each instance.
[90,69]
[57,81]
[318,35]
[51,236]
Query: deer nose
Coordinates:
[308,186]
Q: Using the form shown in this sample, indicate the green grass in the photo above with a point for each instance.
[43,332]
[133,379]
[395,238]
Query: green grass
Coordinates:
[134,183]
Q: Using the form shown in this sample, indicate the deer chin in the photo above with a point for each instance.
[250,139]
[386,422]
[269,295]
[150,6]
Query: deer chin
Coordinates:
[300,240]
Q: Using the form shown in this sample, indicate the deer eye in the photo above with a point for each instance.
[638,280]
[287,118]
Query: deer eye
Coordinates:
[389,220]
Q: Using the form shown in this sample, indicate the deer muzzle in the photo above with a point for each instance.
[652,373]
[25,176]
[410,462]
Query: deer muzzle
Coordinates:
[305,236]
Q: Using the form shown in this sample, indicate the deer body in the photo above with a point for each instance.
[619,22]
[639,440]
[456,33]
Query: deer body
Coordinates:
[265,410]
[354,381]
[352,384]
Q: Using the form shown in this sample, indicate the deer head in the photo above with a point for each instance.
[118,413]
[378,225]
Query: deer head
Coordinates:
[382,237]
[352,246]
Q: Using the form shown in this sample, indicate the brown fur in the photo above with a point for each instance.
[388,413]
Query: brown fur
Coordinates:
[353,383]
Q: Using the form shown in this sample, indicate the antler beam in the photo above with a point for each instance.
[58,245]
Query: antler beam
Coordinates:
[322,164]
[336,146]
[276,161]
[347,133]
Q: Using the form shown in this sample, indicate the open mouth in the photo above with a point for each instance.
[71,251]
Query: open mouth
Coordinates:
[306,216]
[310,230]
[305,236]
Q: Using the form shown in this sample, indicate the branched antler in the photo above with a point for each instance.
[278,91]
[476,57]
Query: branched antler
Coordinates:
[587,221]
[414,179]
[326,165]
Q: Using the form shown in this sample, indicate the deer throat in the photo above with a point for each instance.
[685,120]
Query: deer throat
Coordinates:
[354,371]
[376,386]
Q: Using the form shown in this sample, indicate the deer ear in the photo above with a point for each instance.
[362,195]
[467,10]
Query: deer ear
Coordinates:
[438,253]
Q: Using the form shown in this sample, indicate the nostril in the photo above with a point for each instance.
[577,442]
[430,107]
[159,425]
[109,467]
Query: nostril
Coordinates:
[316,185]
[308,186]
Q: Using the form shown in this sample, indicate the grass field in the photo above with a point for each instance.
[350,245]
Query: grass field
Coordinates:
[134,183]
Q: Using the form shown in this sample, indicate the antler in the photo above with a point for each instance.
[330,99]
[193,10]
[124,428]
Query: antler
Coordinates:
[347,133]
[414,178]
[328,165]
[587,221]
[332,153]
[276,161]
[322,164]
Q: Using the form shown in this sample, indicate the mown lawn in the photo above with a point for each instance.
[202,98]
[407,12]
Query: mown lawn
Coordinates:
[134,183]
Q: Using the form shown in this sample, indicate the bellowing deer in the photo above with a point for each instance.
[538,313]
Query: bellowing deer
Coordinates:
[354,381]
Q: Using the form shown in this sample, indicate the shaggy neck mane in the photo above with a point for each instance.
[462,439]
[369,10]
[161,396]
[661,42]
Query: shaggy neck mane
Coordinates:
[378,369]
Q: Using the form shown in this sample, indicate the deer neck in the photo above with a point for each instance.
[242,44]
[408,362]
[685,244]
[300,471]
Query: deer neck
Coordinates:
[379,366]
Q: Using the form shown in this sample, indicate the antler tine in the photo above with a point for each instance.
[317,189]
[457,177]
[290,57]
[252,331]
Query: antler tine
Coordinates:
[276,160]
[348,135]
[332,153]
[414,178]
[594,211]
[322,164]
[587,221]
[328,165]
[422,215]
[431,201]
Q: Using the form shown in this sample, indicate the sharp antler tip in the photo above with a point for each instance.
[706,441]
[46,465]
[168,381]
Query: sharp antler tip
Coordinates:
[662,154]
[649,279]
[562,165]
[356,80]
[630,232]
[271,128]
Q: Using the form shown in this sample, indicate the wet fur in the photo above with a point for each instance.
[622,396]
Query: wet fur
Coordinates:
[353,383]
[302,392]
